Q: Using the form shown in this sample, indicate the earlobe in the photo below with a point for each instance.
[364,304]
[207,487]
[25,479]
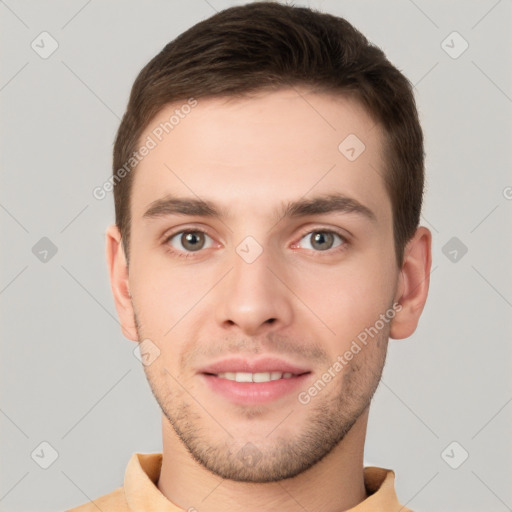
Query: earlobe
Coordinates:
[118,272]
[413,284]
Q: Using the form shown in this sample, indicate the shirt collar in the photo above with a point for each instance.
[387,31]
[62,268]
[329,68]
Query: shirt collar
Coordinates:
[143,471]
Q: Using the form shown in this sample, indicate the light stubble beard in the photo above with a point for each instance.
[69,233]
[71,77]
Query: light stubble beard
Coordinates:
[272,458]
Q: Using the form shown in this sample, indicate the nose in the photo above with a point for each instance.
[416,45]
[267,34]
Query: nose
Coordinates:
[252,298]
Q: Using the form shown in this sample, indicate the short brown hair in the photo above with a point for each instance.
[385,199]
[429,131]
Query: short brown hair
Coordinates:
[269,46]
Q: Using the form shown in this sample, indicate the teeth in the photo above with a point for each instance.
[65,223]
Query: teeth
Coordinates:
[254,377]
[243,377]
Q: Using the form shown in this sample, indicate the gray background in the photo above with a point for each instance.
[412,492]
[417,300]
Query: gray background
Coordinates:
[69,377]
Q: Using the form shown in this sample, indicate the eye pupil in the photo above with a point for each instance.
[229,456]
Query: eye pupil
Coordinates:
[192,240]
[320,238]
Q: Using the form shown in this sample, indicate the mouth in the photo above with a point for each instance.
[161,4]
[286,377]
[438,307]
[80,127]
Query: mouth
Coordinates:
[255,377]
[254,381]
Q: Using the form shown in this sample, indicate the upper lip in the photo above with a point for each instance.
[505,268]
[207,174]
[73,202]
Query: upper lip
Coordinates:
[263,365]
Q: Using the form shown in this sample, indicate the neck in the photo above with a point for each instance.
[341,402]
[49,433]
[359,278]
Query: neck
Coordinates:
[334,484]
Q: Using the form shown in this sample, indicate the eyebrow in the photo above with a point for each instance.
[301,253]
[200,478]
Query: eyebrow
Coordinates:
[330,203]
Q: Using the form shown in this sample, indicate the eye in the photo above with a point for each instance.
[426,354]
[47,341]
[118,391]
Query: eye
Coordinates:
[189,241]
[322,240]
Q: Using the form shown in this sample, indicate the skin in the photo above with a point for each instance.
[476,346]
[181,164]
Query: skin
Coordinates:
[250,156]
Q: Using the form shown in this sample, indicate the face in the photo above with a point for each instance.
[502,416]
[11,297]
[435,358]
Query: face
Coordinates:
[277,257]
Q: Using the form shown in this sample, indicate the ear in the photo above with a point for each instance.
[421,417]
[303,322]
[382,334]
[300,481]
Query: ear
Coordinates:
[413,284]
[118,270]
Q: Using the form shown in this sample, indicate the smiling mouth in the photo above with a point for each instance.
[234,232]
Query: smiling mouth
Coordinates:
[253,388]
[255,377]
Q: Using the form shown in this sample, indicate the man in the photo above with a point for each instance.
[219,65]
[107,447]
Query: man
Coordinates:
[268,182]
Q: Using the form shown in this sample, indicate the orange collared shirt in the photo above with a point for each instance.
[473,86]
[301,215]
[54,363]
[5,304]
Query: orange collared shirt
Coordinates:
[140,493]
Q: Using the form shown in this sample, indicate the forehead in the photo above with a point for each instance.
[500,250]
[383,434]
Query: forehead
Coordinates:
[246,152]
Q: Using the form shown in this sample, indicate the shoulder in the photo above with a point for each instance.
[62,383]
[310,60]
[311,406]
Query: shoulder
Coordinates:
[112,502]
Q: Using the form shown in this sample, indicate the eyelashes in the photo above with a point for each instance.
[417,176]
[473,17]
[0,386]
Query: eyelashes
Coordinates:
[182,253]
[192,236]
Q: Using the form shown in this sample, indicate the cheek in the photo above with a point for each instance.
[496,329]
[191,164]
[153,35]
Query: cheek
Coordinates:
[345,300]
[163,285]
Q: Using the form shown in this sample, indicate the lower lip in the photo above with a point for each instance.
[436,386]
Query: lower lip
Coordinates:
[246,393]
